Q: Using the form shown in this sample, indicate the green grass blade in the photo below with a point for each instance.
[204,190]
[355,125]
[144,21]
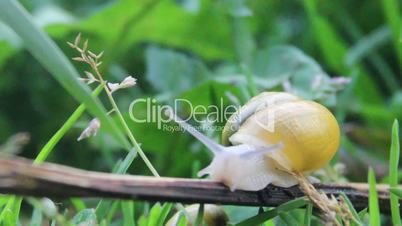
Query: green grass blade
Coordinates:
[112,212]
[396,191]
[9,200]
[9,217]
[78,204]
[127,208]
[53,59]
[200,215]
[125,164]
[164,213]
[308,215]
[374,209]
[379,63]
[45,151]
[289,219]
[49,146]
[363,213]
[357,220]
[393,173]
[367,44]
[154,214]
[261,218]
[392,13]
[334,50]
[182,221]
[11,211]
[330,43]
[103,206]
[3,200]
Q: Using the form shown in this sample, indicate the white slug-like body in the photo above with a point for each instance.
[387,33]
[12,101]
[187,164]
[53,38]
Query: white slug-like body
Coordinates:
[273,135]
[247,168]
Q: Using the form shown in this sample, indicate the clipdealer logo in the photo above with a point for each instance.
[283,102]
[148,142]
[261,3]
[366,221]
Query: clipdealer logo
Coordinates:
[205,116]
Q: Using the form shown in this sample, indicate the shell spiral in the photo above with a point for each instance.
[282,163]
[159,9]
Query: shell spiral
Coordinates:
[308,131]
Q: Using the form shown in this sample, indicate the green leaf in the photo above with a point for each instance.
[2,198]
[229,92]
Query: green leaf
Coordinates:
[242,36]
[51,57]
[135,22]
[128,213]
[396,191]
[393,173]
[363,213]
[164,213]
[85,217]
[288,219]
[261,218]
[356,220]
[173,72]
[374,209]
[304,74]
[269,62]
[154,214]
[182,221]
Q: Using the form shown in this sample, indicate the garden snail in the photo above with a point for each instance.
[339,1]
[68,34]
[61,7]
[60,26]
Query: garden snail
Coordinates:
[273,135]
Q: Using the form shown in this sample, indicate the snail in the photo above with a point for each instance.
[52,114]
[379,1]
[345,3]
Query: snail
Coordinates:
[271,138]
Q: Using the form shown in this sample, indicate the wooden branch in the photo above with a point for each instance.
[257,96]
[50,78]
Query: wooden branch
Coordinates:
[19,176]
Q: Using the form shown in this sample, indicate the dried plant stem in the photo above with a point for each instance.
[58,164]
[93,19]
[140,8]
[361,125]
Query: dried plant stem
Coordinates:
[124,123]
[329,207]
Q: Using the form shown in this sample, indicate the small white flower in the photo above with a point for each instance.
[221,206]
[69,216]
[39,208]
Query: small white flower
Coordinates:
[128,81]
[113,86]
[91,130]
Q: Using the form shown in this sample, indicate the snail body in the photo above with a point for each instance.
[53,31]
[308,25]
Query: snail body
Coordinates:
[271,136]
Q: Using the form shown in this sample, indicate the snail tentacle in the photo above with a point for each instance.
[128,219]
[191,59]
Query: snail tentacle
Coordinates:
[211,144]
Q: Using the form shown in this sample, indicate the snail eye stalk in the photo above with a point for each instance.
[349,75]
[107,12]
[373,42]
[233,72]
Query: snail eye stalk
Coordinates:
[209,143]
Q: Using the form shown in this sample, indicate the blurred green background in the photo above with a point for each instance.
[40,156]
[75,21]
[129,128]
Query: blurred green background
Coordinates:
[200,50]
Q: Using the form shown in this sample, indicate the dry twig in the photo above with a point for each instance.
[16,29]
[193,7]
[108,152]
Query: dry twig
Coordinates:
[19,176]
